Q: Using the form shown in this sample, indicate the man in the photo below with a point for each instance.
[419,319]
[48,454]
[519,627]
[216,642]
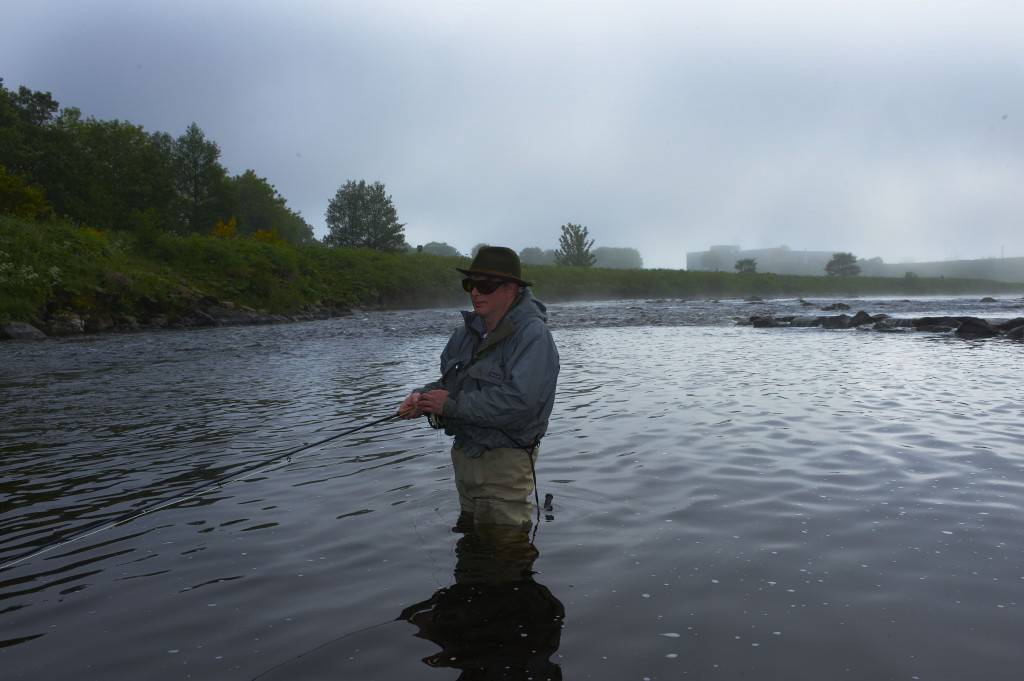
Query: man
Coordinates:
[497,388]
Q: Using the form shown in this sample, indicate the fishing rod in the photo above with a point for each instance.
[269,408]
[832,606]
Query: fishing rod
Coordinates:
[193,493]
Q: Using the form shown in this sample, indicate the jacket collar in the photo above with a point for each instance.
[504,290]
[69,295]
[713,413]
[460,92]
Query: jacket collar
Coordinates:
[502,331]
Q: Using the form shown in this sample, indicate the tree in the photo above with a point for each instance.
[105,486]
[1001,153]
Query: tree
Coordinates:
[362,216]
[533,255]
[746,265]
[199,178]
[116,170]
[574,247]
[260,208]
[618,258]
[440,248]
[842,265]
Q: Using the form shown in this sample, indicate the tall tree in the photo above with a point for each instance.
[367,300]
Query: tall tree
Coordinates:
[842,265]
[199,179]
[362,215]
[574,247]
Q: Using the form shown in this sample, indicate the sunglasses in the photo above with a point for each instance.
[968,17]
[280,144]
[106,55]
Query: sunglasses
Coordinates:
[484,286]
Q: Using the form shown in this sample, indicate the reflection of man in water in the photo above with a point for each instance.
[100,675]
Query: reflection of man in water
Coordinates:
[496,391]
[495,622]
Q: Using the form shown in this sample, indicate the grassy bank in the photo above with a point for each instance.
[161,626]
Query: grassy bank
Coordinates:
[50,268]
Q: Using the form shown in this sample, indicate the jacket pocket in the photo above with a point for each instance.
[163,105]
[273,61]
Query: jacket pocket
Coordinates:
[487,373]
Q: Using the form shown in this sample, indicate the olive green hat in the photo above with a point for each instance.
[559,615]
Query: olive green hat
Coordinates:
[497,261]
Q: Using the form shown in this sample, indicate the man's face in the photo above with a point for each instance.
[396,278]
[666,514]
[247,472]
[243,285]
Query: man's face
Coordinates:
[491,305]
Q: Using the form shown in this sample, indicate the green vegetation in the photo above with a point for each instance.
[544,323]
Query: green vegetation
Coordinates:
[108,277]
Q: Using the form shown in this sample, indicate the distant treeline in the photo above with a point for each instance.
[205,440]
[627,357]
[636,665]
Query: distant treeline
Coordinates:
[127,279]
[604,256]
[111,174]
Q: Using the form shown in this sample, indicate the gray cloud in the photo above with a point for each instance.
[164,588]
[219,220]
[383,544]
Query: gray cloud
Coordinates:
[891,129]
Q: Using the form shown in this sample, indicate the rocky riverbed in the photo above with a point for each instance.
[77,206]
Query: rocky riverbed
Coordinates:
[961,325]
[204,312]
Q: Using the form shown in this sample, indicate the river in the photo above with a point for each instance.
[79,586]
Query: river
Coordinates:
[728,503]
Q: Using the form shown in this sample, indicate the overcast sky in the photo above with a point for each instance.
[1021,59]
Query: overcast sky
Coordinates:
[890,128]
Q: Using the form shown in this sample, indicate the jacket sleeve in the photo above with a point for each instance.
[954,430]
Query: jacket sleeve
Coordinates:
[531,371]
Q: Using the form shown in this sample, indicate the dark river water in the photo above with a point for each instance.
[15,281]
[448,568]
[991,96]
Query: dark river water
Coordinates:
[729,503]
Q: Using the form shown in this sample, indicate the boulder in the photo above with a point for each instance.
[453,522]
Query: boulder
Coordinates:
[972,327]
[98,322]
[1010,324]
[928,322]
[805,303]
[1016,333]
[65,323]
[987,299]
[766,322]
[837,322]
[20,331]
[861,318]
[890,325]
[200,318]
[126,323]
[806,321]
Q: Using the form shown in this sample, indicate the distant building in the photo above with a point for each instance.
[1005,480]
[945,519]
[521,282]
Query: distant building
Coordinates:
[783,260]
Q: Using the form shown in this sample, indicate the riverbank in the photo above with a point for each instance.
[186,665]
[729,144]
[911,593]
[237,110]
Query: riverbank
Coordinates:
[64,280]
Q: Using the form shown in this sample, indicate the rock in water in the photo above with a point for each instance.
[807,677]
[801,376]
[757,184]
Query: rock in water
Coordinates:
[976,328]
[838,322]
[806,321]
[767,322]
[1016,333]
[861,318]
[20,331]
[1010,324]
[66,324]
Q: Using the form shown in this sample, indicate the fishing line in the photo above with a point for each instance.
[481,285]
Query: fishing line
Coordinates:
[194,493]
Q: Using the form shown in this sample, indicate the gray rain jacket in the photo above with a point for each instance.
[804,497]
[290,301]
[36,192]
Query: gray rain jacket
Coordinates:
[500,389]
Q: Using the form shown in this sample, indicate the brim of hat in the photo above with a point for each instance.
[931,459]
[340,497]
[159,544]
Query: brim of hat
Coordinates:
[500,275]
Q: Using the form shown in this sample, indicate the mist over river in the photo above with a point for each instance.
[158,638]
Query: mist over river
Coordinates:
[729,503]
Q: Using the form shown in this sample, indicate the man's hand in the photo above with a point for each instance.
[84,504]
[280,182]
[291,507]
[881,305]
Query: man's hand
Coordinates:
[432,402]
[408,409]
